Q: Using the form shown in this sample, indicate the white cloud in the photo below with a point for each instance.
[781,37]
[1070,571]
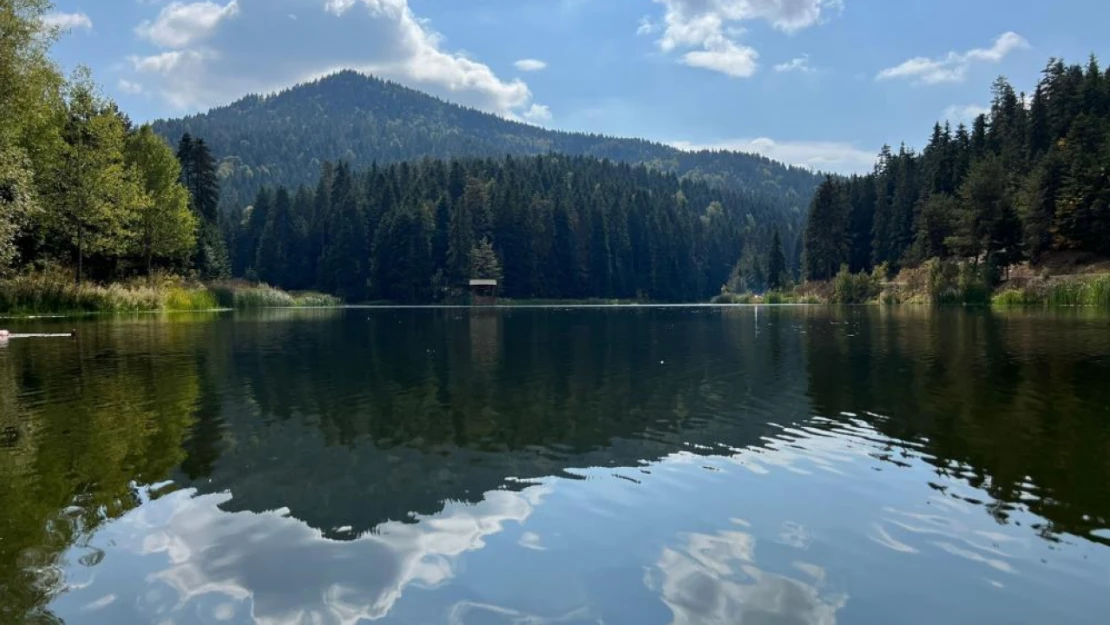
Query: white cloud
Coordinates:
[179,25]
[68,21]
[713,26]
[130,88]
[832,156]
[530,65]
[965,113]
[262,51]
[799,64]
[724,56]
[953,66]
[646,26]
[538,113]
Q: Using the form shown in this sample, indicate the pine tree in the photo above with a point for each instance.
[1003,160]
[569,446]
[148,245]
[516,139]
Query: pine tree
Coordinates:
[198,175]
[825,239]
[344,266]
[777,278]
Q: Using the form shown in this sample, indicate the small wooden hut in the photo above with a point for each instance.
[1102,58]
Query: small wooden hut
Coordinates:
[483,291]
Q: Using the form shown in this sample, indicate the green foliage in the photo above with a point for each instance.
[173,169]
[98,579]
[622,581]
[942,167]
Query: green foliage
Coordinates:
[854,288]
[1094,291]
[826,240]
[733,298]
[1027,179]
[164,226]
[56,292]
[484,262]
[950,282]
[550,227]
[777,278]
[244,296]
[95,194]
[198,175]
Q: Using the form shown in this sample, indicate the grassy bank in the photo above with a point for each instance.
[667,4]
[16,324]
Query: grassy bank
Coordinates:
[940,283]
[56,293]
[1078,291]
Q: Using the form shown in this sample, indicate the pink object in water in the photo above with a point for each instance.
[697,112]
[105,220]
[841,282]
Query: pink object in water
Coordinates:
[5,335]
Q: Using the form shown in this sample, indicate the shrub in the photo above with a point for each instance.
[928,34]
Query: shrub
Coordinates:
[733,298]
[854,288]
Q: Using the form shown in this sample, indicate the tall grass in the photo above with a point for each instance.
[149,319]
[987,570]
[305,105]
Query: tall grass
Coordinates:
[54,292]
[245,295]
[57,293]
[1072,292]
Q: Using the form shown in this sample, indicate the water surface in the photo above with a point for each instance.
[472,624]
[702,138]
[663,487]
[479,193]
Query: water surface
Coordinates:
[786,465]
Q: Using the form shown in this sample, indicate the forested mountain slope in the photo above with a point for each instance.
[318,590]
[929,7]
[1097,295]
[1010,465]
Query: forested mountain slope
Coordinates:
[1028,179]
[283,139]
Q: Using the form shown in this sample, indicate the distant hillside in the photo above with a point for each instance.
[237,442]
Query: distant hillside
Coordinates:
[282,139]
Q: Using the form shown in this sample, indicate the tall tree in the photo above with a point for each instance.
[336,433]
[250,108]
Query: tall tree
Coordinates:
[198,174]
[825,239]
[165,228]
[777,278]
[31,115]
[95,193]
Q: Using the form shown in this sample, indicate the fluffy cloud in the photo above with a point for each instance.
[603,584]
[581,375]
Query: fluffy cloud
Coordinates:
[179,25]
[530,65]
[953,66]
[538,113]
[215,59]
[799,64]
[712,26]
[68,21]
[817,155]
[724,56]
[965,113]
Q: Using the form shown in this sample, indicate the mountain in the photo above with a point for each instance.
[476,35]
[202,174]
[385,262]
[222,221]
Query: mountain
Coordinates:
[283,139]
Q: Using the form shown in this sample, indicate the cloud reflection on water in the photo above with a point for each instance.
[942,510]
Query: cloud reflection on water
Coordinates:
[284,572]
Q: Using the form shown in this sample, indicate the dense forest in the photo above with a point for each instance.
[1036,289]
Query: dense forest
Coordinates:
[1030,178]
[80,185]
[284,138]
[561,227]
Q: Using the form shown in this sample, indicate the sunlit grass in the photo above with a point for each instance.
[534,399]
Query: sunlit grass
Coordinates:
[1077,292]
[55,292]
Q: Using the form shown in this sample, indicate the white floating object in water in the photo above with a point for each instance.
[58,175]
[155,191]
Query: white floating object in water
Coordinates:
[661,362]
[5,335]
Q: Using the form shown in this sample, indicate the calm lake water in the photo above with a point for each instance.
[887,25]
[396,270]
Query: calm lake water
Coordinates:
[792,465]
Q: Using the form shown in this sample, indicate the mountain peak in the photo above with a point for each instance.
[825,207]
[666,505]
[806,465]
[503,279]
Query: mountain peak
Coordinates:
[284,138]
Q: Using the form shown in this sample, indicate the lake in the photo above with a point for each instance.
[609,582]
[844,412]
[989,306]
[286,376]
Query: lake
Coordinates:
[768,465]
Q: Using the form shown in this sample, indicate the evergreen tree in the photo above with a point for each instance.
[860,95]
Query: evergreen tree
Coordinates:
[198,174]
[825,239]
[777,278]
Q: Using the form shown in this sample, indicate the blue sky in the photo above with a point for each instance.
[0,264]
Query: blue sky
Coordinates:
[821,83]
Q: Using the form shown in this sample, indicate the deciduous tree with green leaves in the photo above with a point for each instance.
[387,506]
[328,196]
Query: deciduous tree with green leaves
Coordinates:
[164,227]
[95,195]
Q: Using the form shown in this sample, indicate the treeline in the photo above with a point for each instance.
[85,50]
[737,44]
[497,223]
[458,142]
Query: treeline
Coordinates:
[284,138]
[80,186]
[545,227]
[1027,179]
